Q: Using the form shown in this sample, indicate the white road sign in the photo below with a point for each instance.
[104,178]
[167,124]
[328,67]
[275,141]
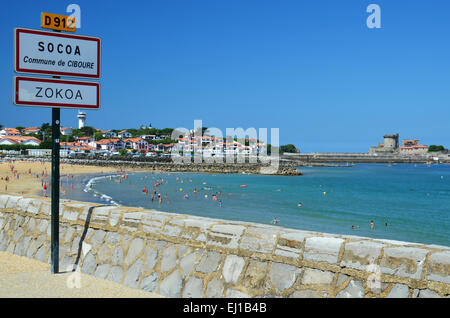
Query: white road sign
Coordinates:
[30,91]
[52,53]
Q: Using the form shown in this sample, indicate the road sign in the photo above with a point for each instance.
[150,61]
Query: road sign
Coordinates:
[32,91]
[51,53]
[58,22]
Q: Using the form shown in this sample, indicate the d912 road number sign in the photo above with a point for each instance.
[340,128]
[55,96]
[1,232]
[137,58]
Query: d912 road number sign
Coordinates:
[58,22]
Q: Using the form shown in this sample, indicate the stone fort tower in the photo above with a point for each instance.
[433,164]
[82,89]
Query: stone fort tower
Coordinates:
[391,141]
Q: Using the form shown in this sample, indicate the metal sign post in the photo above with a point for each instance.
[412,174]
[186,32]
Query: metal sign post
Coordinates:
[54,236]
[55,191]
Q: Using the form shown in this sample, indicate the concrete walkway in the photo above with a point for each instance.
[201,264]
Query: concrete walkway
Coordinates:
[22,277]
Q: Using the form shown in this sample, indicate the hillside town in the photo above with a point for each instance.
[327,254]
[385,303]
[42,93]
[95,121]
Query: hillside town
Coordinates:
[146,141]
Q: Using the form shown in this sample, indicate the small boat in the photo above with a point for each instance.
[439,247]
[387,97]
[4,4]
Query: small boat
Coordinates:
[243,186]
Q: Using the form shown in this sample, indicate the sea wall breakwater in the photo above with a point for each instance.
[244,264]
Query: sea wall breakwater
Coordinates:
[304,159]
[186,256]
[283,169]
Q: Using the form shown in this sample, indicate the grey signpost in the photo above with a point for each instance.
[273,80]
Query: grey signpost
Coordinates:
[30,91]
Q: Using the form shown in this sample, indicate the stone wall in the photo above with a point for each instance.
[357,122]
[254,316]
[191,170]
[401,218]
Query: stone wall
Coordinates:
[186,256]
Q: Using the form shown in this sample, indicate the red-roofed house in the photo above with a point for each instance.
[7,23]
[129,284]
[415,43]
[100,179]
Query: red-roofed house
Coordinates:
[124,134]
[136,144]
[31,130]
[85,140]
[412,147]
[109,134]
[108,144]
[66,131]
[9,132]
[19,140]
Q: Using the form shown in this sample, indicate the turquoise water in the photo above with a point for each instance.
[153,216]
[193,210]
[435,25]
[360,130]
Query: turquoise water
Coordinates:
[413,199]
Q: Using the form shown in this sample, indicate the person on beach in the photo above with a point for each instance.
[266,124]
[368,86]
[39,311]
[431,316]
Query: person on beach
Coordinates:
[372,225]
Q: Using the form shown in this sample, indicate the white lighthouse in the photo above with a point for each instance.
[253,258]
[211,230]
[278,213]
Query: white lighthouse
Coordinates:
[81,119]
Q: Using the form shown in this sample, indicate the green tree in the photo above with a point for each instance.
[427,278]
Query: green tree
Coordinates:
[88,131]
[165,131]
[435,148]
[133,132]
[288,148]
[67,138]
[45,127]
[98,135]
[47,144]
[122,152]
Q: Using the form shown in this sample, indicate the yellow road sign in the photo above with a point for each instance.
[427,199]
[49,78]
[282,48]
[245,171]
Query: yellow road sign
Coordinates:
[58,22]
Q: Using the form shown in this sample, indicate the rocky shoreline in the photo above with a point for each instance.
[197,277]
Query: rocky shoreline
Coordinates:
[285,169]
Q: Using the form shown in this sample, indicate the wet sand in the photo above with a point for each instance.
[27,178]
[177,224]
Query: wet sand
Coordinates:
[26,177]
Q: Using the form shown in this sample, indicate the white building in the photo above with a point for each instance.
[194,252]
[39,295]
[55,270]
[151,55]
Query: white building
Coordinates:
[19,140]
[124,134]
[109,134]
[138,144]
[66,131]
[13,132]
[81,119]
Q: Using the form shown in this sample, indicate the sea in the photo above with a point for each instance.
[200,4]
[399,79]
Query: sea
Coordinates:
[406,202]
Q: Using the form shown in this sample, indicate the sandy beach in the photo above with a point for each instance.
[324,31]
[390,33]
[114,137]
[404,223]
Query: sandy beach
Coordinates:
[27,177]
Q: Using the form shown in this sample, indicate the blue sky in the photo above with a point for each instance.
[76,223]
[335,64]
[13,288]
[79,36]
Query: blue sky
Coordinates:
[311,68]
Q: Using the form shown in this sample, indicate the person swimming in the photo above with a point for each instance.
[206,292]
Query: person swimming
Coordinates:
[275,220]
[299,204]
[372,225]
